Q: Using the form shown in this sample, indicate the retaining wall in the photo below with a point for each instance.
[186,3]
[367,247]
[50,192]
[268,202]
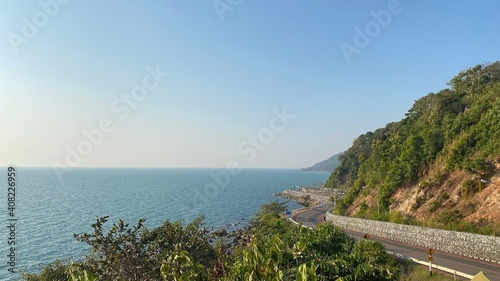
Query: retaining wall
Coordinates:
[467,244]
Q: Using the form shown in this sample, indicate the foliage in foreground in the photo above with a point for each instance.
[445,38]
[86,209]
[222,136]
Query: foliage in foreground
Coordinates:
[278,251]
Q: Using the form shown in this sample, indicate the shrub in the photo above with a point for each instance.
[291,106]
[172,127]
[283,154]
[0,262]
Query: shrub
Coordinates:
[136,253]
[418,202]
[58,270]
[444,196]
[467,189]
[434,206]
[449,217]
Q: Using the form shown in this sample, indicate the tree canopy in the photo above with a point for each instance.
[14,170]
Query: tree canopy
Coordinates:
[457,128]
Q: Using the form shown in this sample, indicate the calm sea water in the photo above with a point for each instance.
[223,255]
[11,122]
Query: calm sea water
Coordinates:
[50,211]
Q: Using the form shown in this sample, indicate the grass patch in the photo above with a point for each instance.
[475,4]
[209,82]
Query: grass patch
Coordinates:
[413,272]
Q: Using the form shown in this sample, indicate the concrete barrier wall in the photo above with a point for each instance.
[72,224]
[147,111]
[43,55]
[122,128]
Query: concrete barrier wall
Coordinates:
[467,244]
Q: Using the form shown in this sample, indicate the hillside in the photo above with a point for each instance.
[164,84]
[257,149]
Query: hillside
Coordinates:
[439,166]
[328,165]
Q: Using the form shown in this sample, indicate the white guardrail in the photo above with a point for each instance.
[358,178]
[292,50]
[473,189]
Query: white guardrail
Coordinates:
[435,266]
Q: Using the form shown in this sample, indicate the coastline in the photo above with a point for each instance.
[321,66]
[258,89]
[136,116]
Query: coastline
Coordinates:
[308,197]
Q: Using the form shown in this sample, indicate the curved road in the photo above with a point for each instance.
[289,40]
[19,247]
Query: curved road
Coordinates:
[460,263]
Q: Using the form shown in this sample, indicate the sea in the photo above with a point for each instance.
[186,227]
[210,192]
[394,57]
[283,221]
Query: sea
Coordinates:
[50,208]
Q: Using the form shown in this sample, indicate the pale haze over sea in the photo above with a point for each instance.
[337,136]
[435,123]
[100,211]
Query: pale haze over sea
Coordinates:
[188,84]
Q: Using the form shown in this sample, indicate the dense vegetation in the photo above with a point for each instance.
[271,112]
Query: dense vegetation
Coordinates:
[456,129]
[278,250]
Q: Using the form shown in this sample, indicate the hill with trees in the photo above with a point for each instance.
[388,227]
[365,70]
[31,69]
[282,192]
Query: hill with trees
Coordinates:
[439,166]
[328,165]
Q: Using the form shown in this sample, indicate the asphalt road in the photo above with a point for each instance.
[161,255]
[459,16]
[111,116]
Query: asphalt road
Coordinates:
[460,263]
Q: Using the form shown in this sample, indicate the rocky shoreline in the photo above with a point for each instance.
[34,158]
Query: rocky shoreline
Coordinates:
[232,238]
[308,197]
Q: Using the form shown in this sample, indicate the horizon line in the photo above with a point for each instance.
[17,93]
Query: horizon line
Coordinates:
[154,167]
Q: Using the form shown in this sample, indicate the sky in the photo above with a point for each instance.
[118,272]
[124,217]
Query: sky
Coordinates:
[254,84]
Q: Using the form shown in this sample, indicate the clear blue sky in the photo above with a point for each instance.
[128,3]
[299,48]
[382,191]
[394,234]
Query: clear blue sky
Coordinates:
[63,66]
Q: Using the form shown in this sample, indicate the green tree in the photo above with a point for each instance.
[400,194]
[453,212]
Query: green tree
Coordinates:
[455,129]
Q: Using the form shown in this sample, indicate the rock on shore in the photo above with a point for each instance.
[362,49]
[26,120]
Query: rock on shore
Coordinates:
[307,197]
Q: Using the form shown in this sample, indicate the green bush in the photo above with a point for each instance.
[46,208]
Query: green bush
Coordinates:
[451,217]
[418,202]
[434,206]
[468,189]
[444,196]
[136,253]
[58,270]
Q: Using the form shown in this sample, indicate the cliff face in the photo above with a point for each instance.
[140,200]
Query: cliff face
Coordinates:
[435,202]
[438,165]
